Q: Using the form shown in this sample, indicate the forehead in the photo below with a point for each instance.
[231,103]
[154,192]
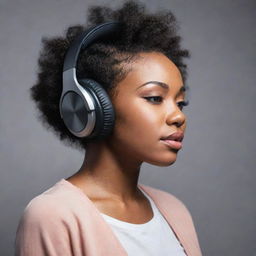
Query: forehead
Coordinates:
[152,66]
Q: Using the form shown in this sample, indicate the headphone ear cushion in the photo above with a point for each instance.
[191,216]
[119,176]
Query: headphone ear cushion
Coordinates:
[105,114]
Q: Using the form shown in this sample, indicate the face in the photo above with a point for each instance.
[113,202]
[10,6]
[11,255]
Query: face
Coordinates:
[148,107]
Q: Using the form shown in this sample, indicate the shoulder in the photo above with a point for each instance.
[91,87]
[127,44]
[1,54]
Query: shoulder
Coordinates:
[56,204]
[47,223]
[173,209]
[176,213]
[166,199]
[43,207]
[161,195]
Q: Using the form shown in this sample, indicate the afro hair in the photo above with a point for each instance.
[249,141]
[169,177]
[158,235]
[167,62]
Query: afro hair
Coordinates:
[104,61]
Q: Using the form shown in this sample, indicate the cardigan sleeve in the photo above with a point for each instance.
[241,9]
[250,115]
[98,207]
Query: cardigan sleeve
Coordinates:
[42,231]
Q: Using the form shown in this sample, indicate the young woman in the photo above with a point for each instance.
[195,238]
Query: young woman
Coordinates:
[101,209]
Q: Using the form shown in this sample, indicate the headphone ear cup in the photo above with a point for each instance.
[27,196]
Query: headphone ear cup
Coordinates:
[105,114]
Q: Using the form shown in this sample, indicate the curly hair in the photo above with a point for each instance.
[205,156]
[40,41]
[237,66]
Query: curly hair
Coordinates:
[105,61]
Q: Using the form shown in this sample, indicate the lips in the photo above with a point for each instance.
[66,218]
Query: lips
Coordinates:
[177,136]
[174,140]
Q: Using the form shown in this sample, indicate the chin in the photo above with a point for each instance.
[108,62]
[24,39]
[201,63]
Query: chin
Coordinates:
[165,163]
[164,160]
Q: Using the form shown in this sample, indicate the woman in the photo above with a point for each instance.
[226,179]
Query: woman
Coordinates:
[101,209]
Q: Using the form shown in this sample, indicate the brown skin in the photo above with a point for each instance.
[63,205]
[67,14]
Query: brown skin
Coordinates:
[110,171]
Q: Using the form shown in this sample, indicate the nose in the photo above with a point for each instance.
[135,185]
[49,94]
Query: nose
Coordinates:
[175,116]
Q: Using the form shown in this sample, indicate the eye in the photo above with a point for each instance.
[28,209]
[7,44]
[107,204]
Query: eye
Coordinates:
[182,104]
[154,99]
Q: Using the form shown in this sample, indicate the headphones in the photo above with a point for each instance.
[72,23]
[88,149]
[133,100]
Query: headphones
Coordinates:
[85,106]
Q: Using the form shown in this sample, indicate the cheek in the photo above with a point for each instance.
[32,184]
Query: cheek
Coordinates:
[137,130]
[138,123]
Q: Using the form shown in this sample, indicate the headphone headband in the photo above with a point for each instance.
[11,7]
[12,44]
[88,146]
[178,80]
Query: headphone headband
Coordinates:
[86,39]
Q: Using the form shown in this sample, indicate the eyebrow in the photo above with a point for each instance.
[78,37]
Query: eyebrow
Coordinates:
[164,85]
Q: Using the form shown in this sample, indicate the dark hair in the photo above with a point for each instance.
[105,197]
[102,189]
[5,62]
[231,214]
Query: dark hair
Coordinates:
[106,61]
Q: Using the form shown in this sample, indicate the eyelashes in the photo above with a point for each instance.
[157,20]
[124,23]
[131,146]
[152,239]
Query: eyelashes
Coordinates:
[183,104]
[159,99]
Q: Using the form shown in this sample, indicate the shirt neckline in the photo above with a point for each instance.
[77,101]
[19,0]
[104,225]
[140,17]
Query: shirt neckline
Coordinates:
[128,225]
[116,221]
[164,214]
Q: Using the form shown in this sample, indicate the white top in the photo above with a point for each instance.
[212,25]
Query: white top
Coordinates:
[152,238]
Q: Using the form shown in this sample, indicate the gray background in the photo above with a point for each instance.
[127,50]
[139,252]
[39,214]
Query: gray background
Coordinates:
[214,174]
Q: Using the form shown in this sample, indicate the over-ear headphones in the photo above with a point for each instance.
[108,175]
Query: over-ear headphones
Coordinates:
[85,106]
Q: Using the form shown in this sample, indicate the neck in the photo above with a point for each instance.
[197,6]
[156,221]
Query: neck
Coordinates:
[111,172]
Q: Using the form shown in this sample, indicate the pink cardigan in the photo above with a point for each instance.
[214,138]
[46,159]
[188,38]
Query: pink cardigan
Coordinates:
[63,221]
